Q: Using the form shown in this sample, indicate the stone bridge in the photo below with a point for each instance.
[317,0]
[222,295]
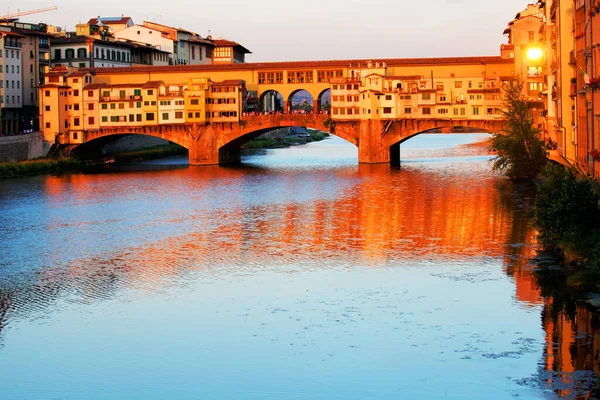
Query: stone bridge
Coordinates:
[378,141]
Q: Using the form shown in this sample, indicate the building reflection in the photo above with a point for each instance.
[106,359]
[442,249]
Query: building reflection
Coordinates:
[572,337]
[366,215]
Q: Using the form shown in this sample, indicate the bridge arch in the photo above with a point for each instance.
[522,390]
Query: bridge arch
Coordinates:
[271,101]
[395,132]
[323,103]
[308,102]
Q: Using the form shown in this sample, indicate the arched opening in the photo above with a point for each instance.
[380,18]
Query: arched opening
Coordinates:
[324,101]
[126,147]
[449,137]
[300,102]
[271,101]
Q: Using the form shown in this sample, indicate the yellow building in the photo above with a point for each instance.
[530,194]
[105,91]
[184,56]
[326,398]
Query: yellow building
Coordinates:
[445,88]
[371,93]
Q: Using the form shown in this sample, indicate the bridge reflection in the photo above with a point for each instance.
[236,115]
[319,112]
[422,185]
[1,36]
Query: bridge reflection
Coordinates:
[368,215]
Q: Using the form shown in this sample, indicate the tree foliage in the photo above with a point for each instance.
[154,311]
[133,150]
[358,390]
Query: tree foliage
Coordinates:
[566,209]
[520,153]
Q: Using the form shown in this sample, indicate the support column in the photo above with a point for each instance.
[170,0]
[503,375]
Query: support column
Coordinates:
[214,144]
[316,106]
[371,147]
[395,155]
[202,148]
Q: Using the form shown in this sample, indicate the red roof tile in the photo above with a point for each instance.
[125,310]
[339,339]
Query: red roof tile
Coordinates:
[152,84]
[229,43]
[93,86]
[230,82]
[53,85]
[123,20]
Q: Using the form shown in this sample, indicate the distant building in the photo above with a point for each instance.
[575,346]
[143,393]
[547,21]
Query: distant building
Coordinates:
[115,24]
[92,52]
[89,52]
[189,48]
[25,59]
[141,34]
[228,52]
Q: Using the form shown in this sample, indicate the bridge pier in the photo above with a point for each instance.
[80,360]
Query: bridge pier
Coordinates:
[395,155]
[371,145]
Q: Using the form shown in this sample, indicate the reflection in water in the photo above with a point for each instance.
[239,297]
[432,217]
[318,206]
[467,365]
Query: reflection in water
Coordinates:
[297,273]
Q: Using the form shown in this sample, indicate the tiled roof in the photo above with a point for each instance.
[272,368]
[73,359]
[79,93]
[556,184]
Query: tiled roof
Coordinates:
[93,86]
[29,32]
[391,62]
[152,84]
[85,39]
[11,34]
[54,85]
[230,82]
[109,21]
[198,40]
[491,90]
[78,74]
[229,43]
[404,78]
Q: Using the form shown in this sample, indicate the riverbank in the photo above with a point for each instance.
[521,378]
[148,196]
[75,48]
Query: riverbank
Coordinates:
[15,169]
[567,215]
[278,143]
[44,166]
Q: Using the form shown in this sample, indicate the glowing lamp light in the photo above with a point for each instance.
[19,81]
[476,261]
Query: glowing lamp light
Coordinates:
[534,53]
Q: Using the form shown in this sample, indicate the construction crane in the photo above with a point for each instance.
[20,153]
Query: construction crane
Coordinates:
[21,13]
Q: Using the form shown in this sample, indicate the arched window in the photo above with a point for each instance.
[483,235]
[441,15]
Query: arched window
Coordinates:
[81,53]
[69,54]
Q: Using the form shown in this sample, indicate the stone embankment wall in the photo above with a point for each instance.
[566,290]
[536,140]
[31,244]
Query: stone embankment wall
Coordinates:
[23,147]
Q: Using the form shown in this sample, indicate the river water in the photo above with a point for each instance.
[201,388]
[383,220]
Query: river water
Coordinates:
[297,275]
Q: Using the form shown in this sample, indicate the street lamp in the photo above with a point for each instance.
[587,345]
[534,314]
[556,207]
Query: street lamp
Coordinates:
[534,53]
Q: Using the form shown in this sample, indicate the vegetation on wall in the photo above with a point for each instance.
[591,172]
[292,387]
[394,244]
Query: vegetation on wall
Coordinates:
[520,152]
[567,215]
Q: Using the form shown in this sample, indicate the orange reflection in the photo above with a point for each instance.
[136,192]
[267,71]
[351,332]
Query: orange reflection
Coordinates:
[373,214]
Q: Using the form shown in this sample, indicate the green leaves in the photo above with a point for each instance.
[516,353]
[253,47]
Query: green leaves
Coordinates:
[520,153]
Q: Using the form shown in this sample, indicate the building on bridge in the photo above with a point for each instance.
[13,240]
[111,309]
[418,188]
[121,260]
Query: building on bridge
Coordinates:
[369,93]
[207,108]
[72,104]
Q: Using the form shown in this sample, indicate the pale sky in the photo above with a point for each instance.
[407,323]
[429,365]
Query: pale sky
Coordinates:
[279,30]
